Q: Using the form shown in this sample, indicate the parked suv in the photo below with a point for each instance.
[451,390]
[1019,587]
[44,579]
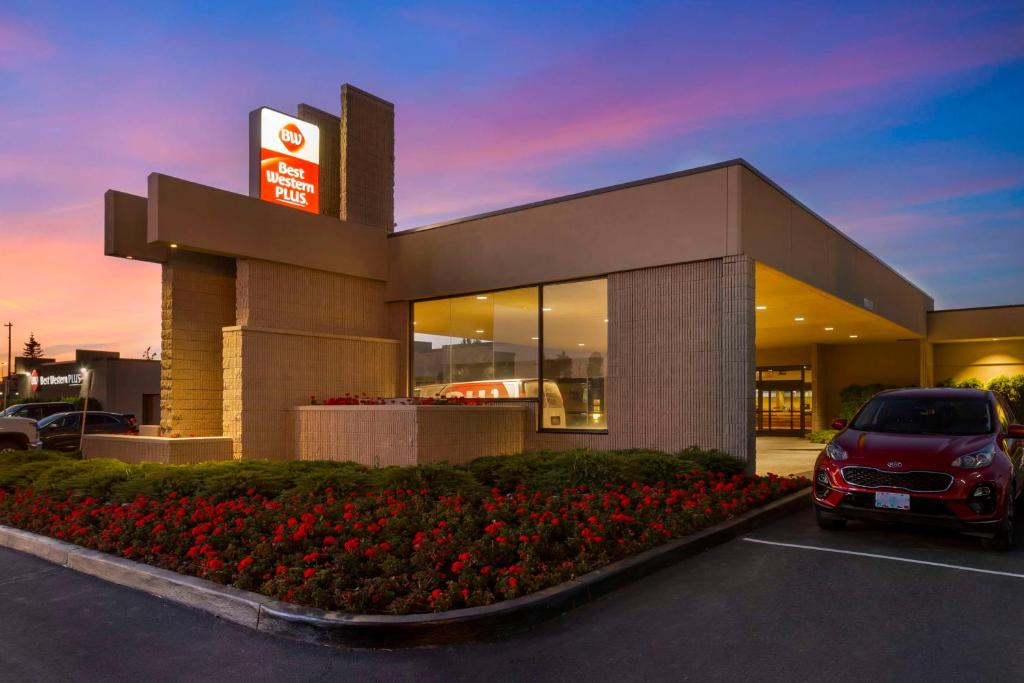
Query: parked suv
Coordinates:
[37,411]
[17,433]
[951,458]
[63,431]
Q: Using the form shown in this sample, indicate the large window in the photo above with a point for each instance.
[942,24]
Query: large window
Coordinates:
[489,345]
[575,344]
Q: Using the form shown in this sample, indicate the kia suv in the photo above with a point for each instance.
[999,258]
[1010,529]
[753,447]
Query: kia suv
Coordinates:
[949,458]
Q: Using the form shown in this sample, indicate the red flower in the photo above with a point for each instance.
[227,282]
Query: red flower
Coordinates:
[244,563]
[308,573]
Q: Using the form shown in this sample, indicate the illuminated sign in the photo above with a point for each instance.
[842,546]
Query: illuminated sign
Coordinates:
[34,380]
[284,160]
[70,379]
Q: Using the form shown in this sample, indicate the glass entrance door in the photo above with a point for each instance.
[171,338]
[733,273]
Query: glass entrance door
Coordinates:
[783,400]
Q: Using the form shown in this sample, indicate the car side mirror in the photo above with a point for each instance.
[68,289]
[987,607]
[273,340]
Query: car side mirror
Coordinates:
[1015,432]
[839,423]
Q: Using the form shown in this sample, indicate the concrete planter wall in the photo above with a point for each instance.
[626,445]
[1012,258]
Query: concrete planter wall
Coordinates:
[167,451]
[384,435]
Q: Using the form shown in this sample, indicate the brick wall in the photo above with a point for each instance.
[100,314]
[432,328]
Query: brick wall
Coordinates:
[367,159]
[330,157]
[288,297]
[198,299]
[681,361]
[268,372]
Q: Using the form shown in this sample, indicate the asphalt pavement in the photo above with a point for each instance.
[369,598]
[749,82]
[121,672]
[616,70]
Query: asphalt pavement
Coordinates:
[786,603]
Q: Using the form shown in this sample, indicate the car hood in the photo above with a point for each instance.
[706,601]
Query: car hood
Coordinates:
[17,421]
[912,450]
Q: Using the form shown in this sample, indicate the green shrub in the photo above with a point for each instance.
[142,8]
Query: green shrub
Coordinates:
[969,383]
[821,436]
[1012,389]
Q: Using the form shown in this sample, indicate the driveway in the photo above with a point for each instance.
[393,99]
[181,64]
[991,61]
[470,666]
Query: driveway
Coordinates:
[788,602]
[786,455]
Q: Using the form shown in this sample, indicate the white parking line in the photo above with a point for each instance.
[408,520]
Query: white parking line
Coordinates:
[884,557]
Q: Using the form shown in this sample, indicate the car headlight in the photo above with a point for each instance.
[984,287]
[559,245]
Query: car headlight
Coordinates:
[977,459]
[835,451]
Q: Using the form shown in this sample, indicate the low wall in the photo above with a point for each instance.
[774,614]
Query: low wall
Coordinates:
[167,451]
[384,435]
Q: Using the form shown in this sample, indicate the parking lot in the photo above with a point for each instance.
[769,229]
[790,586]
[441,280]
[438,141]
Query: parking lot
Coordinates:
[787,602]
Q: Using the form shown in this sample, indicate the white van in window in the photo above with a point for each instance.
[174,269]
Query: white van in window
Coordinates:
[554,408]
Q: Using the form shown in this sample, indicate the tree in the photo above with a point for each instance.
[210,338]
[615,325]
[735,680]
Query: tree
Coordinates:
[149,354]
[33,349]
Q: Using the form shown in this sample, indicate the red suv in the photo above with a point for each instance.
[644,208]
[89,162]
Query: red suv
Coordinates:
[950,458]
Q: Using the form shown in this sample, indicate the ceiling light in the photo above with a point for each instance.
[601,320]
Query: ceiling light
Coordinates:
[481,298]
[130,256]
[606,320]
[853,336]
[174,246]
[580,344]
[534,338]
[761,308]
[829,329]
[479,331]
[799,318]
[545,309]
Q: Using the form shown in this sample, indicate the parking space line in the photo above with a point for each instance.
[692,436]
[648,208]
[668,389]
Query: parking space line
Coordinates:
[885,557]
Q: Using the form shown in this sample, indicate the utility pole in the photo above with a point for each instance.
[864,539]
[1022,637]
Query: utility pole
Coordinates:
[7,375]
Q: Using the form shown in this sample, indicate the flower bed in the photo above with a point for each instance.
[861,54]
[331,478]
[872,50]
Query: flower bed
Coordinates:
[394,550]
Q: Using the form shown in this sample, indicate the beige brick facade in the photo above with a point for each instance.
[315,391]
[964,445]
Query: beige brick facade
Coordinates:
[386,435]
[367,159]
[166,451]
[198,299]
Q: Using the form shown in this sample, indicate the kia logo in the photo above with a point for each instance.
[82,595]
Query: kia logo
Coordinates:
[292,137]
[894,464]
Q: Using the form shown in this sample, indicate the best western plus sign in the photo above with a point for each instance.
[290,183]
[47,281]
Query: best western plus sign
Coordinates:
[289,160]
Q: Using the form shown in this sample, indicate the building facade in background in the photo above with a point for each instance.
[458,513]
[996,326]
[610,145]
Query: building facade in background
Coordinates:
[696,308]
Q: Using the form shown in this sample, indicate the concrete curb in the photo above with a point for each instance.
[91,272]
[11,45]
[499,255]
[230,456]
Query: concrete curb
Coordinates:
[268,615]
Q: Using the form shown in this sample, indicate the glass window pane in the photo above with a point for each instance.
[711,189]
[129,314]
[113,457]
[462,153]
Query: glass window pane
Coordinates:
[575,324]
[480,346]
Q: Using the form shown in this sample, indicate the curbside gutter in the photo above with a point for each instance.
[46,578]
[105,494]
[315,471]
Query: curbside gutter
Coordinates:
[268,615]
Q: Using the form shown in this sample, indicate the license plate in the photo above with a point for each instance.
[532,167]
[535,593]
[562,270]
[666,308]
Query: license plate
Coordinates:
[892,501]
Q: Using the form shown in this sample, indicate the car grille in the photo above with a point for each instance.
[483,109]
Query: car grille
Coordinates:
[870,478]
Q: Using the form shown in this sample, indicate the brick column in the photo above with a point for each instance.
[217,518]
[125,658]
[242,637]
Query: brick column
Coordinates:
[367,159]
[737,358]
[198,299]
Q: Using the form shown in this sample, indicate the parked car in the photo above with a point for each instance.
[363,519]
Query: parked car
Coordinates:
[17,433]
[37,411]
[949,458]
[63,431]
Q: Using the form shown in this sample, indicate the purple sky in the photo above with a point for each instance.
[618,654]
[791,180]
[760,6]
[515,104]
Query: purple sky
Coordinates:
[899,124]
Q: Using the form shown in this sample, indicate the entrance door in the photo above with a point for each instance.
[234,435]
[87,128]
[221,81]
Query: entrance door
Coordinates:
[783,400]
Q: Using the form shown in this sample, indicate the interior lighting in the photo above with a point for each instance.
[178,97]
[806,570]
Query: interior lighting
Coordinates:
[580,344]
[174,246]
[799,318]
[829,329]
[853,336]
[761,308]
[479,331]
[546,309]
[481,298]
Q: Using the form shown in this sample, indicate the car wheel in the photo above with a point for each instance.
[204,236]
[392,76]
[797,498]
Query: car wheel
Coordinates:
[827,523]
[10,445]
[1006,534]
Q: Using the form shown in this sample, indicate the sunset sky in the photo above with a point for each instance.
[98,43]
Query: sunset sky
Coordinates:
[899,123]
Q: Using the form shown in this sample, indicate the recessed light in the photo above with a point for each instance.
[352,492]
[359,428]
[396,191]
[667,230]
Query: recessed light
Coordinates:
[761,308]
[479,331]
[545,309]
[606,319]
[534,338]
[853,336]
[993,338]
[829,329]
[130,256]
[481,298]
[799,318]
[174,246]
[580,344]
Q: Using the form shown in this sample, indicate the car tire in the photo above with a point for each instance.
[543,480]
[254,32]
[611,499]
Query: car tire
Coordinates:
[1006,534]
[827,523]
[9,445]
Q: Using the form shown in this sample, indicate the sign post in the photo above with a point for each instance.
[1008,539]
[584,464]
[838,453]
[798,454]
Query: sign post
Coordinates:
[284,160]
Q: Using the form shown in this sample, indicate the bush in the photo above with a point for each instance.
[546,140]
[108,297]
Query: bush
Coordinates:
[1012,389]
[851,398]
[821,436]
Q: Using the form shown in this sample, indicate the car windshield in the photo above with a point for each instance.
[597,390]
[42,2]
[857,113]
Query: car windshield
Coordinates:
[902,415]
[10,411]
[48,419]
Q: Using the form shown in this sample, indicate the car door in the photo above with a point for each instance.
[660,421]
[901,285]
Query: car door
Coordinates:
[62,433]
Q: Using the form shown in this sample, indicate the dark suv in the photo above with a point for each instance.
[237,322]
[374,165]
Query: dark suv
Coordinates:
[63,431]
[37,411]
